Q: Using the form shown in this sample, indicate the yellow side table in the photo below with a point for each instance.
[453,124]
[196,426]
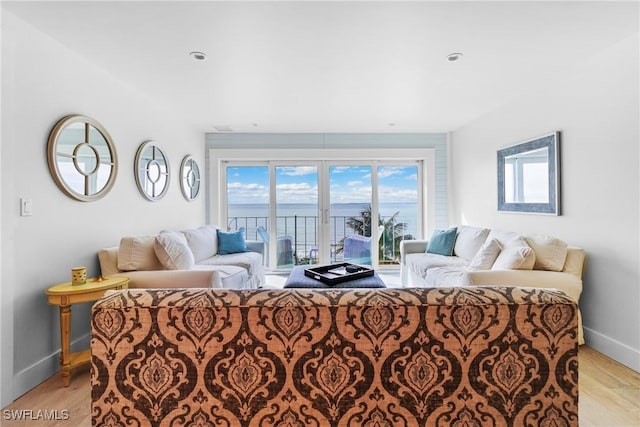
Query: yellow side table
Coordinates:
[65,294]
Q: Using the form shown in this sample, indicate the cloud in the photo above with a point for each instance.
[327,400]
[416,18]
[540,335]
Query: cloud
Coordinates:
[340,169]
[293,186]
[388,194]
[387,171]
[298,192]
[242,186]
[238,192]
[353,193]
[297,170]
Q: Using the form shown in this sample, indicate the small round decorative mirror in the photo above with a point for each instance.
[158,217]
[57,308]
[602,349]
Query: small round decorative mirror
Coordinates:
[82,158]
[151,171]
[189,178]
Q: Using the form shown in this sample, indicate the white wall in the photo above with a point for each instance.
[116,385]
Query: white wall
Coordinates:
[42,81]
[596,108]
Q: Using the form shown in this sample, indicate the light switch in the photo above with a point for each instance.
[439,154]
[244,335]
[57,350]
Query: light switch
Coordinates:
[26,207]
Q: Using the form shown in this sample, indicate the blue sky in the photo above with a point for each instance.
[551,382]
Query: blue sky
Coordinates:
[299,184]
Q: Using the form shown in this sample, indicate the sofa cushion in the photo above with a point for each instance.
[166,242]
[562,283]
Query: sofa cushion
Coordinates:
[442,242]
[469,241]
[173,251]
[446,276]
[486,256]
[231,242]
[138,253]
[515,255]
[250,261]
[203,241]
[551,253]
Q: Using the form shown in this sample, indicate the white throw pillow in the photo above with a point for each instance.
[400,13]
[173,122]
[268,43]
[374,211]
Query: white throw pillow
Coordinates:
[503,237]
[551,253]
[173,251]
[486,256]
[469,241]
[137,253]
[515,255]
[203,242]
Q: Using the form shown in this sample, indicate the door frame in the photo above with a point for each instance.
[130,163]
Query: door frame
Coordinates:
[218,157]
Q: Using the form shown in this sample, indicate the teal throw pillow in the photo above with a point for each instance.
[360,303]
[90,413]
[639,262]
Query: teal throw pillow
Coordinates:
[442,242]
[231,242]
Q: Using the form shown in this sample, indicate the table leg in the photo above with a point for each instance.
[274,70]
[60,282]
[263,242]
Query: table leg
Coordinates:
[65,343]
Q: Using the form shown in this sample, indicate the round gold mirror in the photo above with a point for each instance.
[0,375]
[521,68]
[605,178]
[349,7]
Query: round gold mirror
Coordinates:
[152,171]
[82,158]
[189,178]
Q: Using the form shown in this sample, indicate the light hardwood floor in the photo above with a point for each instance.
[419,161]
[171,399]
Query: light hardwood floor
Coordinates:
[609,397]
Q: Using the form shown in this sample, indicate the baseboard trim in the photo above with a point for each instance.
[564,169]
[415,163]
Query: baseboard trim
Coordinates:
[616,350]
[43,369]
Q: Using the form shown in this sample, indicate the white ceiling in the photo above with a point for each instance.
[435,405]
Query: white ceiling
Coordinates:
[334,66]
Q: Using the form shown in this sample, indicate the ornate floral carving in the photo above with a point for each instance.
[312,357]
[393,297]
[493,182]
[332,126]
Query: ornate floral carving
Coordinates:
[245,376]
[378,318]
[155,376]
[333,375]
[290,322]
[421,374]
[509,373]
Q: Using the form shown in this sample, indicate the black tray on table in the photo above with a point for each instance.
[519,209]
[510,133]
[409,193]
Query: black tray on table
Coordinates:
[336,273]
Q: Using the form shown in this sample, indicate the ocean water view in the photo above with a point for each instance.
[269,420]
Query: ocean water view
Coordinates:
[407,211]
[300,221]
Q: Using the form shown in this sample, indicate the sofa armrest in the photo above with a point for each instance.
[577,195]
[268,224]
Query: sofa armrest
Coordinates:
[412,247]
[574,263]
[409,247]
[164,279]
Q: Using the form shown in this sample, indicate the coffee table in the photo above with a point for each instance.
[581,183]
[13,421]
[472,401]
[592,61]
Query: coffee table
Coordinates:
[297,279]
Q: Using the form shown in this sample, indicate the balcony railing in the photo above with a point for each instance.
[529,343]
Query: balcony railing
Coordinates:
[303,234]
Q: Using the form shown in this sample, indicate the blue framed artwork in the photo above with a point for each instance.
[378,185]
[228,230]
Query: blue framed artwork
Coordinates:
[529,176]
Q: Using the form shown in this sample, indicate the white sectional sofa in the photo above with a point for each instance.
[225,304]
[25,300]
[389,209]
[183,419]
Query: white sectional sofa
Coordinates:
[483,257]
[186,259]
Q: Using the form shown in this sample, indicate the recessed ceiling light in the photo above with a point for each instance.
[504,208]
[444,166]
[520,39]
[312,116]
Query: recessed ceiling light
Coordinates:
[454,56]
[198,56]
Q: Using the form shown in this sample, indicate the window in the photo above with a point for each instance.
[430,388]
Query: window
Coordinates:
[324,211]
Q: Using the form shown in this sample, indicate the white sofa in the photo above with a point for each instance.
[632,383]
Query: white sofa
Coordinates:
[184,259]
[483,257]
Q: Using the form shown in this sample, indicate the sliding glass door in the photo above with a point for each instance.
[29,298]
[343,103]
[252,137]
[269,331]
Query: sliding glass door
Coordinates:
[350,213]
[325,211]
[398,209]
[247,199]
[296,214]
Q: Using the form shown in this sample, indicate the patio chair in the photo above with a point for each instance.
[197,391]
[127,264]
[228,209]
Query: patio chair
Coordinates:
[357,249]
[284,247]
